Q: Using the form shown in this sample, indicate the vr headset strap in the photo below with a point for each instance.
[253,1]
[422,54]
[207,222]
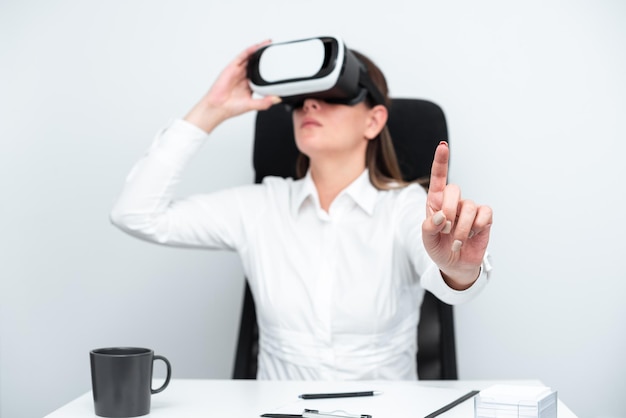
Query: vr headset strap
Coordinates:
[366,81]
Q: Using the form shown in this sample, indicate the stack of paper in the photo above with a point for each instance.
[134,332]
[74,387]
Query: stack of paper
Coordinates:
[504,401]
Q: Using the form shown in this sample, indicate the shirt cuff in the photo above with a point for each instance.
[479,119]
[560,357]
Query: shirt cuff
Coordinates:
[433,282]
[178,142]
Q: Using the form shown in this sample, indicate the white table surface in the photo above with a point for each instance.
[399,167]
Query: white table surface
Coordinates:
[191,398]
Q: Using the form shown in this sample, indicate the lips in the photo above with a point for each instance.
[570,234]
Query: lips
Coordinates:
[309,122]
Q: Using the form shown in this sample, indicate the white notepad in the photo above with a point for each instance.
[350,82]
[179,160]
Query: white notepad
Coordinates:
[396,400]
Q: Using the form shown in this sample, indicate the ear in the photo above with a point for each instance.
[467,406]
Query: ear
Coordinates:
[377,118]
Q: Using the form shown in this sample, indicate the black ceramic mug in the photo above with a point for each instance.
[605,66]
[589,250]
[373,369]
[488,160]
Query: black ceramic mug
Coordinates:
[121,379]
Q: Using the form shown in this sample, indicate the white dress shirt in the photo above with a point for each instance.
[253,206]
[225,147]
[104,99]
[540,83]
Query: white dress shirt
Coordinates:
[337,293]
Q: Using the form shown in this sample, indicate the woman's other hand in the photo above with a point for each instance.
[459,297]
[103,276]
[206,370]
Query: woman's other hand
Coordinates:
[456,230]
[230,95]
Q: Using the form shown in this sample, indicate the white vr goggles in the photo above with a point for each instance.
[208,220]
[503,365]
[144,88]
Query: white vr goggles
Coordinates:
[321,68]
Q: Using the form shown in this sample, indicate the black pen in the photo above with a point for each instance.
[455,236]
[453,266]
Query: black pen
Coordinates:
[453,404]
[339,395]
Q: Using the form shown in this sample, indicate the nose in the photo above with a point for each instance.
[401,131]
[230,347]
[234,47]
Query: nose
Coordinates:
[311,104]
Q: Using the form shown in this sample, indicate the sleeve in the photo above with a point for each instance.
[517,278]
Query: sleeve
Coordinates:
[411,215]
[146,209]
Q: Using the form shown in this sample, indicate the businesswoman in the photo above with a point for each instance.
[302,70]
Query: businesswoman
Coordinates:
[337,260]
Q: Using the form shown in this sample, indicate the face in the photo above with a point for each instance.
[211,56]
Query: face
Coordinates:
[335,130]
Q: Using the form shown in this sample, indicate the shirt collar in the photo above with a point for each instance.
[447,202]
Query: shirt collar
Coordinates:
[305,190]
[360,190]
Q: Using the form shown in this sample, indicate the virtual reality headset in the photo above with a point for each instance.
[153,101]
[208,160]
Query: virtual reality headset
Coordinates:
[321,68]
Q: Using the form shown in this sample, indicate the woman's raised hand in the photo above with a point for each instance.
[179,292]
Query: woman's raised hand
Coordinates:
[230,95]
[455,231]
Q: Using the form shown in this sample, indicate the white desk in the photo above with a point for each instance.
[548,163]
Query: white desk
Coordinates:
[251,398]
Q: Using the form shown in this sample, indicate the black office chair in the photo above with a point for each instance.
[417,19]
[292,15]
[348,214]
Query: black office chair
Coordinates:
[416,127]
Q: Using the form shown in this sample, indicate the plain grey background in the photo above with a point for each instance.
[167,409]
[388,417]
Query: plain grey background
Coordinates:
[535,96]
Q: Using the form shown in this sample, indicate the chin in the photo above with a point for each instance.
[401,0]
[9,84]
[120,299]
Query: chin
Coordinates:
[308,144]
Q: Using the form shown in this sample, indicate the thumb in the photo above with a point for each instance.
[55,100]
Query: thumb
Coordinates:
[266,102]
[435,223]
[430,236]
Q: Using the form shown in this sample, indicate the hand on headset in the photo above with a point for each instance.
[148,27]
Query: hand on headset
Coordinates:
[456,230]
[230,95]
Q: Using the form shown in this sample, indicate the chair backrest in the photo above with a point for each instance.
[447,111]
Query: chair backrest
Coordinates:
[416,127]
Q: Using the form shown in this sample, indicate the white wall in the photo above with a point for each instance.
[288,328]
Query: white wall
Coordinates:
[535,96]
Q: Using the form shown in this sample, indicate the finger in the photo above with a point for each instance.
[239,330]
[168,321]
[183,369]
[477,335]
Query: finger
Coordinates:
[439,169]
[242,58]
[482,222]
[450,205]
[466,221]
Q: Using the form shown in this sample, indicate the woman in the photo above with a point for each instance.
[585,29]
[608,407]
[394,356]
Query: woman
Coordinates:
[337,260]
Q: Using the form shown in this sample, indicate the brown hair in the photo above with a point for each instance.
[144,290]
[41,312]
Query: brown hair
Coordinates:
[380,156]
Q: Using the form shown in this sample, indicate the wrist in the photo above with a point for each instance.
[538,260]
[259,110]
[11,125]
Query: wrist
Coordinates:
[461,280]
[206,116]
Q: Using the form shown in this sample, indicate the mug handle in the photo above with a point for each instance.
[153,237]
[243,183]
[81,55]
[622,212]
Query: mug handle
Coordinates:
[167,379]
